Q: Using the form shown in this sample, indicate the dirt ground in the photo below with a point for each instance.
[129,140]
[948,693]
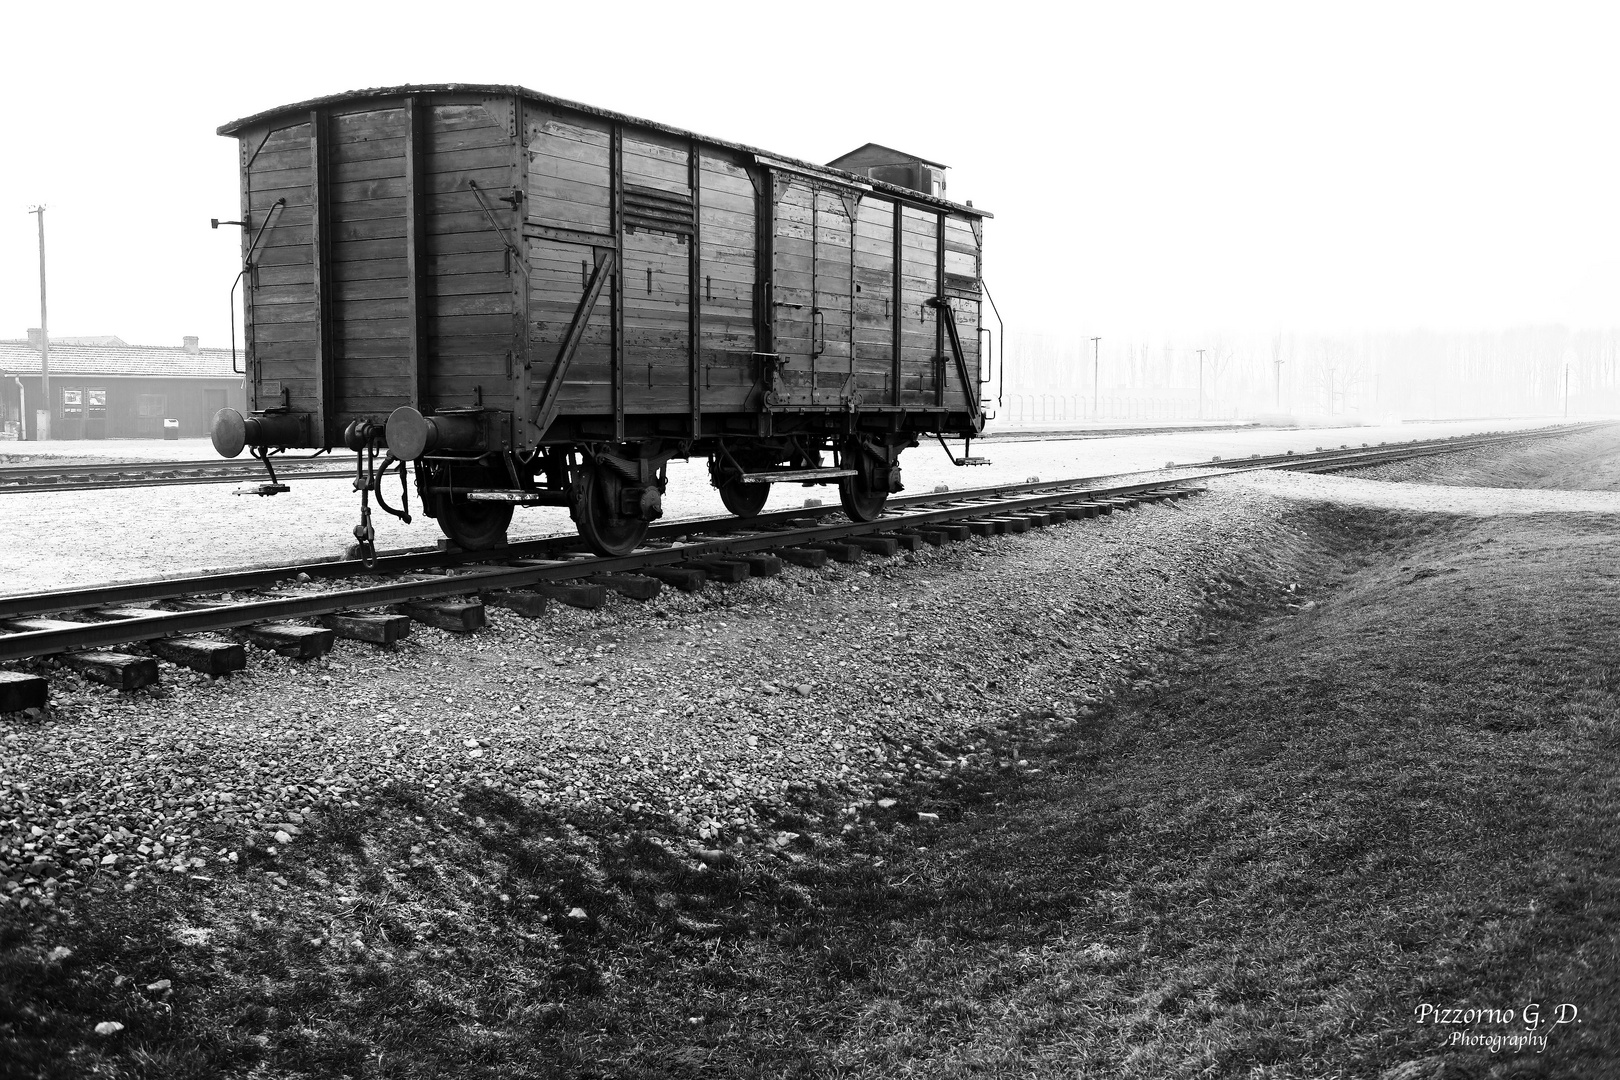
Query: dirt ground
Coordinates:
[1359,820]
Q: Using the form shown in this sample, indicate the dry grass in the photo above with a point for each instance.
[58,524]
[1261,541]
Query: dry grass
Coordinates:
[1256,862]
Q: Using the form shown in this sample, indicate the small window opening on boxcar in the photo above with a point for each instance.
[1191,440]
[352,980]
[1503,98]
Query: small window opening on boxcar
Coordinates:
[961,264]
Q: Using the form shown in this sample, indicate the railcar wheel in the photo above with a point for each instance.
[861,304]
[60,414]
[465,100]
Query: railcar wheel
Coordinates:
[603,528]
[860,504]
[744,500]
[864,494]
[473,526]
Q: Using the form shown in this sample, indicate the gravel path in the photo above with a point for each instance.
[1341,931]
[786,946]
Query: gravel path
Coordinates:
[64,539]
[711,708]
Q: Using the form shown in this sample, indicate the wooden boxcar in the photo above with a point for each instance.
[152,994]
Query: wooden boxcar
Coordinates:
[541,302]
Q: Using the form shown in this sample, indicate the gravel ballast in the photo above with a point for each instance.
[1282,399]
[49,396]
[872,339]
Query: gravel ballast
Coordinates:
[711,710]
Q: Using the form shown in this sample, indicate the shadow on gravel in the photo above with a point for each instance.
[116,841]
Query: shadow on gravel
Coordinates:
[1259,860]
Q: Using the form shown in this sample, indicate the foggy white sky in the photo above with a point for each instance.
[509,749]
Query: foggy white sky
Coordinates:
[1153,168]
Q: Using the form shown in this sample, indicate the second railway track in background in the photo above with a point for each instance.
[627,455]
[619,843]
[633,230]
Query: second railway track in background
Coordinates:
[105,475]
[448,589]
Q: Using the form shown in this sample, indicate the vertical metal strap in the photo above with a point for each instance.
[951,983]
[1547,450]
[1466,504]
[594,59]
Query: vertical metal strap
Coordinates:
[939,322]
[894,301]
[522,436]
[417,302]
[765,260]
[616,170]
[815,284]
[325,356]
[694,303]
[250,355]
[853,207]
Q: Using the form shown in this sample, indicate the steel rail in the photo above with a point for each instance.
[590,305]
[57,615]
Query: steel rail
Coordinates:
[35,643]
[415,560]
[785,528]
[111,475]
[132,474]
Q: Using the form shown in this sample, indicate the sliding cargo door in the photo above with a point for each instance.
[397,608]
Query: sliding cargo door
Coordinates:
[810,292]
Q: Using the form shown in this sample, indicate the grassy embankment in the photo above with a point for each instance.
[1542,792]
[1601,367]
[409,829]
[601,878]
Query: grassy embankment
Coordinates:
[1258,860]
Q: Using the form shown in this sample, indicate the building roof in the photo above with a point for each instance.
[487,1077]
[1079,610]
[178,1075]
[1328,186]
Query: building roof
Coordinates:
[118,361]
[93,339]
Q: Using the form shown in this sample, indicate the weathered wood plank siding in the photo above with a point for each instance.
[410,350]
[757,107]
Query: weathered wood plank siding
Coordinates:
[570,193]
[372,326]
[280,310]
[657,275]
[919,282]
[458,231]
[874,299]
[835,381]
[962,288]
[727,276]
[468,252]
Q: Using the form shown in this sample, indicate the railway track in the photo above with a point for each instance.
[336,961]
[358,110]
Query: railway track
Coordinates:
[111,475]
[449,588]
[104,475]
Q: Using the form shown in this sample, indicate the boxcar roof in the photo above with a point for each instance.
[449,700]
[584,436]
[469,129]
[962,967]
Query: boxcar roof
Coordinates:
[490,88]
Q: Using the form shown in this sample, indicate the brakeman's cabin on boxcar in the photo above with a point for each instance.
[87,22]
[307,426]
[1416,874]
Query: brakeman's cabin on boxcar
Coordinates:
[540,302]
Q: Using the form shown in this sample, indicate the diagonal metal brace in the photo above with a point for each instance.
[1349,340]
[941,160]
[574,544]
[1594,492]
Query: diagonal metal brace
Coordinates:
[970,387]
[545,411]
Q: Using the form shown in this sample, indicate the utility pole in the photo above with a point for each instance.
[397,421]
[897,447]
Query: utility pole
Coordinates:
[1200,384]
[1566,389]
[1278,363]
[43,431]
[1096,402]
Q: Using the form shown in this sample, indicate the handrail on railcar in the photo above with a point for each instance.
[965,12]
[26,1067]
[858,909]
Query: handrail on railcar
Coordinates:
[1001,360]
[247,264]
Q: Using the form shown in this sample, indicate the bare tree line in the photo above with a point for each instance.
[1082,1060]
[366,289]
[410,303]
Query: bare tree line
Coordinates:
[1411,374]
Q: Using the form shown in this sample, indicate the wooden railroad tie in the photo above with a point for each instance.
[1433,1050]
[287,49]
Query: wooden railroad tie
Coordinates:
[839,551]
[760,564]
[727,570]
[525,602]
[905,541]
[378,629]
[803,556]
[634,586]
[293,640]
[209,655]
[574,594]
[921,536]
[876,544]
[686,579]
[121,671]
[19,691]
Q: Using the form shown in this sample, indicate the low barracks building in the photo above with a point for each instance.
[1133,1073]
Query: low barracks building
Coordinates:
[101,388]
